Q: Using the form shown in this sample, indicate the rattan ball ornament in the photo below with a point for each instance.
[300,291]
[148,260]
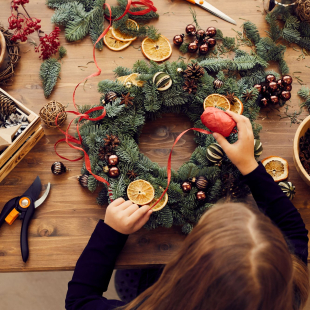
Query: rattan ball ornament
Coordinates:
[288,189]
[258,147]
[215,153]
[49,113]
[201,183]
[302,8]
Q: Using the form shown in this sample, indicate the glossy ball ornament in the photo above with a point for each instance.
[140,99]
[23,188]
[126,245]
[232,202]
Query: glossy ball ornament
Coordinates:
[200,34]
[113,172]
[180,70]
[203,49]
[211,42]
[264,102]
[280,84]
[105,169]
[201,196]
[288,189]
[270,78]
[193,47]
[258,87]
[110,96]
[190,29]
[215,153]
[201,183]
[58,168]
[211,32]
[113,160]
[83,180]
[285,95]
[264,89]
[287,80]
[178,39]
[274,99]
[218,83]
[272,87]
[287,87]
[186,187]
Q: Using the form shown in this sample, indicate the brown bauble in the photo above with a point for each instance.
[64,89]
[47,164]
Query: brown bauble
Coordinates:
[186,187]
[193,47]
[287,87]
[178,39]
[264,102]
[110,96]
[273,86]
[211,32]
[287,80]
[201,196]
[113,160]
[285,95]
[83,180]
[211,42]
[258,87]
[270,78]
[58,168]
[200,34]
[190,29]
[274,99]
[201,183]
[113,172]
[203,49]
[280,84]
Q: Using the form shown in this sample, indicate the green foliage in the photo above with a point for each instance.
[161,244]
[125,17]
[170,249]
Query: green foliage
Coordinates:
[251,32]
[304,93]
[49,73]
[62,52]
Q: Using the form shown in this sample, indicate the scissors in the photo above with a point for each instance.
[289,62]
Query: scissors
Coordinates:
[210,8]
[24,206]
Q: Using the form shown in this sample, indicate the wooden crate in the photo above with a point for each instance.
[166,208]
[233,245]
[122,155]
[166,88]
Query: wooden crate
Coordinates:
[23,143]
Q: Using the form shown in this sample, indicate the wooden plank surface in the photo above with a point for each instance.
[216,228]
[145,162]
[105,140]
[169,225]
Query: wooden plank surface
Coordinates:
[63,224]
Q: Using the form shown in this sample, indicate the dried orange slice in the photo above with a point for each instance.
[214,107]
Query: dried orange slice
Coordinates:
[140,192]
[132,80]
[236,106]
[122,79]
[161,204]
[158,50]
[123,36]
[277,167]
[114,44]
[216,100]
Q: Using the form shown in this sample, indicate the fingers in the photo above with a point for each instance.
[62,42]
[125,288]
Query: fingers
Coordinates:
[145,217]
[138,214]
[131,209]
[221,141]
[243,123]
[117,202]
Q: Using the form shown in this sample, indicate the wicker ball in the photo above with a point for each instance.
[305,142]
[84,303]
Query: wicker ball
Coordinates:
[49,113]
[303,10]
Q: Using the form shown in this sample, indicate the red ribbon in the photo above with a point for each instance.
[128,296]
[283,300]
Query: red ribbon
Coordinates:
[169,160]
[68,138]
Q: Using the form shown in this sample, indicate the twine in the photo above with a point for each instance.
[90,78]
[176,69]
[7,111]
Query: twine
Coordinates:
[49,114]
[13,52]
[303,10]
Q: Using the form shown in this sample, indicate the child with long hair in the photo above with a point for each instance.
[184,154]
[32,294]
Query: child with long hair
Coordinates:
[236,258]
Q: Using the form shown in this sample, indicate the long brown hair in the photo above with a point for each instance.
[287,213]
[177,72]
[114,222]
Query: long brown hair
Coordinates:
[234,259]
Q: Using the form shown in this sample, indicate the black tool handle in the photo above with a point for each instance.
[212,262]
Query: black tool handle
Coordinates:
[24,231]
[8,207]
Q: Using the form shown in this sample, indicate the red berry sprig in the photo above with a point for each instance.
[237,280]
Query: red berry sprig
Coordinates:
[49,44]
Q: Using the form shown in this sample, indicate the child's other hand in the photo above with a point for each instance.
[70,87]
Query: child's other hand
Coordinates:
[126,217]
[240,153]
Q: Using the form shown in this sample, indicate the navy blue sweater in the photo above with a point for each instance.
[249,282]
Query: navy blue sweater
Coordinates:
[95,266]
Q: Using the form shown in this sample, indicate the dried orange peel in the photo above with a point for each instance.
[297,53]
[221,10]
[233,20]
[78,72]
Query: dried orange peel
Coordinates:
[118,35]
[158,50]
[277,167]
[113,44]
[140,192]
[216,101]
[236,106]
[161,204]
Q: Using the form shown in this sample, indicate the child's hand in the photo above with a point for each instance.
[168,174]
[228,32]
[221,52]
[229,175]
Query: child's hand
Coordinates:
[240,153]
[126,217]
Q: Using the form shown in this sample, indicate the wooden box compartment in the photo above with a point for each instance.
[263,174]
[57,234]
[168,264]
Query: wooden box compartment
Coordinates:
[14,153]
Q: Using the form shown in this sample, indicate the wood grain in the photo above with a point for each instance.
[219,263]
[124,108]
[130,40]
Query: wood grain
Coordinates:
[63,224]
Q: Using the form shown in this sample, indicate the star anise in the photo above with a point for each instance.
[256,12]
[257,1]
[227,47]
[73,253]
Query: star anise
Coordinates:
[131,175]
[126,99]
[231,97]
[190,86]
[248,95]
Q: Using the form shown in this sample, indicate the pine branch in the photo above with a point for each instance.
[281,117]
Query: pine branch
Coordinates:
[49,73]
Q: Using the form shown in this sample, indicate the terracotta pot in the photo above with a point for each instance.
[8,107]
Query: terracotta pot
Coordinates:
[3,51]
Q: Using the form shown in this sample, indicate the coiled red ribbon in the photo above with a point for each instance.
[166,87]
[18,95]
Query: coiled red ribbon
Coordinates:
[85,116]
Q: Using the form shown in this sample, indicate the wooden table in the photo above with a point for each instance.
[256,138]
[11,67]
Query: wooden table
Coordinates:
[63,224]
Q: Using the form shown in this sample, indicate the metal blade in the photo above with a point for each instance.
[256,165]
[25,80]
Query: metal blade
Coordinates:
[210,8]
[44,196]
[34,190]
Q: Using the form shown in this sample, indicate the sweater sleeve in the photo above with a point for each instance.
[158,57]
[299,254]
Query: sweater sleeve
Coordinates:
[94,269]
[275,204]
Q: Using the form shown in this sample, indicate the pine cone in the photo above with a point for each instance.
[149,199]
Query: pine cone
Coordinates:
[111,141]
[194,71]
[7,105]
[190,86]
[303,10]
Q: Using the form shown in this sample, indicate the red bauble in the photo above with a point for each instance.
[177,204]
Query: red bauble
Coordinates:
[190,29]
[201,196]
[287,79]
[178,39]
[200,34]
[113,160]
[211,42]
[280,84]
[264,89]
[218,121]
[186,187]
[211,32]
[264,101]
[258,87]
[203,49]
[287,87]
[193,47]
[286,95]
[270,78]
[273,86]
[113,172]
[274,99]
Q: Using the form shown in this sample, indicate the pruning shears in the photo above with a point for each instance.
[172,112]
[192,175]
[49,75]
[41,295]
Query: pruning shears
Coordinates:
[23,207]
